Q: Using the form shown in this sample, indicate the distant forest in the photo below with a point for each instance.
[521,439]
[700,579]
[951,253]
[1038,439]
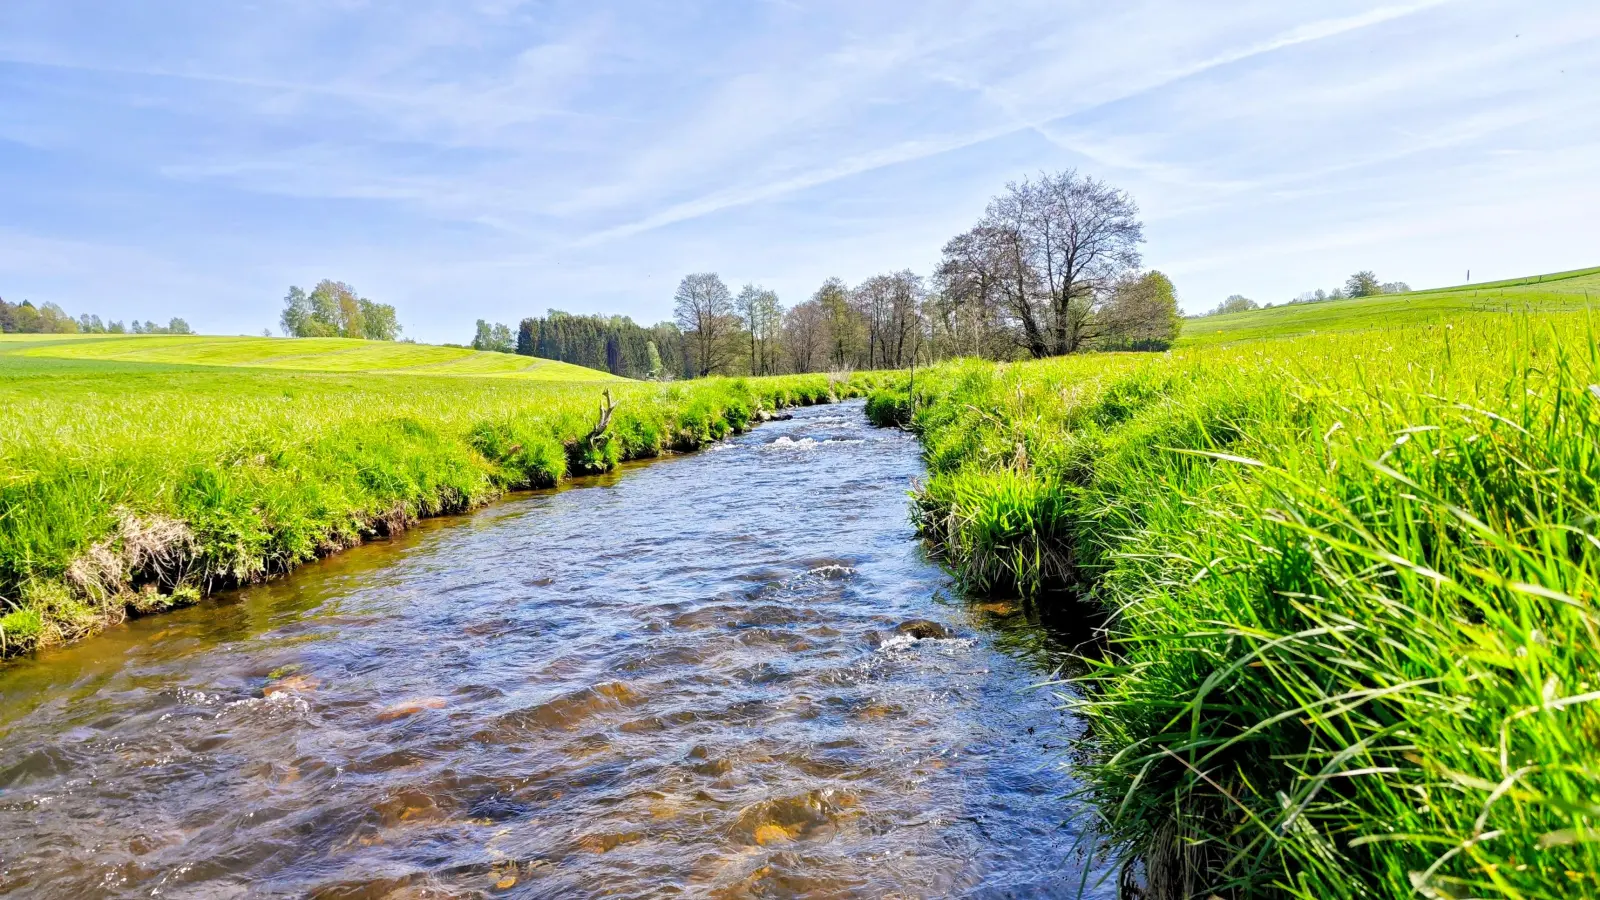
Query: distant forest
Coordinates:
[614,344]
[48,318]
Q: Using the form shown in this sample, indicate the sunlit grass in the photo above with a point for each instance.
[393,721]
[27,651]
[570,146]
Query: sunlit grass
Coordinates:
[1579,289]
[296,354]
[1354,646]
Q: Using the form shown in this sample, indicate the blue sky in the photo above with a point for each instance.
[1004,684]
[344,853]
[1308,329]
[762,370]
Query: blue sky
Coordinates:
[493,159]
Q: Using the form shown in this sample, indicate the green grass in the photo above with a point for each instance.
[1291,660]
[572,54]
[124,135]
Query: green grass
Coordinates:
[1353,645]
[1577,289]
[297,354]
[131,481]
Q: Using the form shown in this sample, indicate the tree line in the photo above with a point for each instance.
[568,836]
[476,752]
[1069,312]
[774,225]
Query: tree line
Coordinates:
[614,344]
[1361,284]
[1051,268]
[49,318]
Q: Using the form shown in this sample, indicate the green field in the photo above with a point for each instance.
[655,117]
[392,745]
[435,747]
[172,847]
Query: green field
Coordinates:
[133,478]
[1577,289]
[1353,642]
[346,355]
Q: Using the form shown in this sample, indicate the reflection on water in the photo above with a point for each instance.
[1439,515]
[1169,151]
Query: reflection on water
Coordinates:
[683,680]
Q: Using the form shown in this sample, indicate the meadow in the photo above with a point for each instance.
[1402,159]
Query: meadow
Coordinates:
[1352,640]
[1577,289]
[347,355]
[130,483]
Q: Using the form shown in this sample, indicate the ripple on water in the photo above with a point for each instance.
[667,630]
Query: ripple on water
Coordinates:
[687,683]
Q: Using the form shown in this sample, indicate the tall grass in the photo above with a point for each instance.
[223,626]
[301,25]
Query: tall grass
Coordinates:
[134,487]
[1353,646]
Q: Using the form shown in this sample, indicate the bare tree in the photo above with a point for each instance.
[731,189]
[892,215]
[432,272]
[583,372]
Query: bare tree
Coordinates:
[806,337]
[1051,250]
[902,338]
[762,315]
[703,307]
[968,309]
[873,302]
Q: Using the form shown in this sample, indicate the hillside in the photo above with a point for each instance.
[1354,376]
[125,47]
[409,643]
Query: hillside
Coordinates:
[345,356]
[1557,291]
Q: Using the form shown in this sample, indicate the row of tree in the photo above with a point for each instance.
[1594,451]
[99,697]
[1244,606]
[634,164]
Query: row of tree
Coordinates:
[1051,268]
[49,318]
[334,309]
[1361,284]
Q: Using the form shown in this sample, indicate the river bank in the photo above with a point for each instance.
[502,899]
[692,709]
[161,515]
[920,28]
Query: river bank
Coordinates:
[134,488]
[1351,587]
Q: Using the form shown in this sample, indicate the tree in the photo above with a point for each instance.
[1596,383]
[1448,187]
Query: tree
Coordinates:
[1054,247]
[494,338]
[333,309]
[378,321]
[845,328]
[704,309]
[654,354]
[1142,314]
[1363,284]
[806,337]
[967,308]
[1234,303]
[296,317]
[26,318]
[527,337]
[1046,255]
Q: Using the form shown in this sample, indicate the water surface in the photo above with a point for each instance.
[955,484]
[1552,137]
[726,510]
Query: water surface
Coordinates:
[680,680]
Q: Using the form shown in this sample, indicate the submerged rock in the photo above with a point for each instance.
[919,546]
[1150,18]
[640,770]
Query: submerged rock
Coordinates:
[410,708]
[922,629]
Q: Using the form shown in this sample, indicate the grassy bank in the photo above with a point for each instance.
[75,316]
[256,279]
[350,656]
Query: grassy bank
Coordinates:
[1354,647]
[1560,291]
[131,486]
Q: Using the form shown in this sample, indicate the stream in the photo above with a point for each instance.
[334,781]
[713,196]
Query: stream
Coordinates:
[679,680]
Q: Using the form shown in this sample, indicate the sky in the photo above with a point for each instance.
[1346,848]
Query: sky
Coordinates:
[466,159]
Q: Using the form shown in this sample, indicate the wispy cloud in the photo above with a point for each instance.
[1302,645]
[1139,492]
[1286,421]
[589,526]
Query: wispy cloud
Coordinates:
[514,152]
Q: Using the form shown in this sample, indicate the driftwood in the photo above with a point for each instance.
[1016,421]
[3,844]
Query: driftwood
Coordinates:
[607,407]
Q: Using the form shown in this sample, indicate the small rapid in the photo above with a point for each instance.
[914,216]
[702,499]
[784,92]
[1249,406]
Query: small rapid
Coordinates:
[684,679]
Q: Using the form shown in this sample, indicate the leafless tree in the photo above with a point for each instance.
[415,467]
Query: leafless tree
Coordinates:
[806,337]
[1050,250]
[703,308]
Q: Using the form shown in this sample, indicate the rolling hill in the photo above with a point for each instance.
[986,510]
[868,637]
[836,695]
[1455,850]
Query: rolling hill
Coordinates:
[345,356]
[1546,293]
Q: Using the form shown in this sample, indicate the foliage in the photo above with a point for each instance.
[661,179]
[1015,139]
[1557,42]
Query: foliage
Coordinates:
[1363,284]
[25,318]
[1351,583]
[1141,314]
[494,338]
[1234,304]
[612,344]
[333,309]
[118,477]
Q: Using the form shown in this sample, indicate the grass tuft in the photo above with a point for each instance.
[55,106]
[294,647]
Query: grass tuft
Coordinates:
[1353,640]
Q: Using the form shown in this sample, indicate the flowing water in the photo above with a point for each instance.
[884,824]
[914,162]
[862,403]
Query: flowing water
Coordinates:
[680,680]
